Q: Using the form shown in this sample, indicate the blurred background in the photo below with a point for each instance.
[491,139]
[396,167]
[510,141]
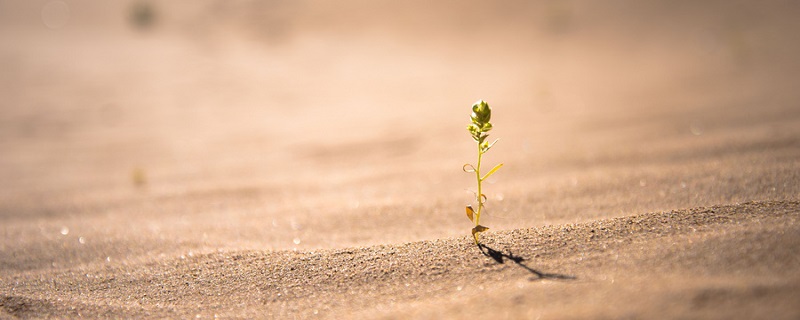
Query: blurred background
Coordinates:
[141,128]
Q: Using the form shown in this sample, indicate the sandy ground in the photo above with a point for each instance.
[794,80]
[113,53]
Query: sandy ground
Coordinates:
[302,159]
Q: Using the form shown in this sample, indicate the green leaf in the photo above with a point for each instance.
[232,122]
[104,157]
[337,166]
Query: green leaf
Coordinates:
[473,129]
[485,146]
[497,167]
[492,144]
[470,213]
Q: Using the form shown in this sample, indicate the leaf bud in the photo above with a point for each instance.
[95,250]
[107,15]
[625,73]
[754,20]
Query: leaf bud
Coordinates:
[481,113]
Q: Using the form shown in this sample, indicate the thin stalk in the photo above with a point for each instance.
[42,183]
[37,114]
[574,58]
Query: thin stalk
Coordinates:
[480,192]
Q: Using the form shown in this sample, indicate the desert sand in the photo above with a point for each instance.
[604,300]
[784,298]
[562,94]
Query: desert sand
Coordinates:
[302,159]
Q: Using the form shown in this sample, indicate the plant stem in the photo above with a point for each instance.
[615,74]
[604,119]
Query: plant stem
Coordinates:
[480,193]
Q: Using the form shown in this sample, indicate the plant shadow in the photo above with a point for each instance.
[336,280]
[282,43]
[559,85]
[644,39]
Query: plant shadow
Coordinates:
[500,258]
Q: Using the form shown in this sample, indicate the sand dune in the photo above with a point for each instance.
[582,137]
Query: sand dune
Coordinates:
[302,159]
[722,261]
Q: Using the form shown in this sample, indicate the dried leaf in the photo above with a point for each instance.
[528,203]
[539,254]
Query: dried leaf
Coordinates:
[478,229]
[470,213]
[468,168]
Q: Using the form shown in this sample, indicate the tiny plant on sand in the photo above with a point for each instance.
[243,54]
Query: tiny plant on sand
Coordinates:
[481,114]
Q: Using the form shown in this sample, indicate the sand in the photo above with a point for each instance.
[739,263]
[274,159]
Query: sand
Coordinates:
[303,160]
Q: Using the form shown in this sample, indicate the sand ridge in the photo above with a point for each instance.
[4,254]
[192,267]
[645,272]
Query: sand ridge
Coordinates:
[752,241]
[302,159]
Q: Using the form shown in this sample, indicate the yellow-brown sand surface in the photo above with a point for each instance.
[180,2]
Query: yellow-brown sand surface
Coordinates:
[302,159]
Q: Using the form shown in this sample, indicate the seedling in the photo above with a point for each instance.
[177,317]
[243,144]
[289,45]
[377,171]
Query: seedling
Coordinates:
[481,115]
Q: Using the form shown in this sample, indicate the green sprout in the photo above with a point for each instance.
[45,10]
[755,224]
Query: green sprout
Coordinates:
[481,115]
